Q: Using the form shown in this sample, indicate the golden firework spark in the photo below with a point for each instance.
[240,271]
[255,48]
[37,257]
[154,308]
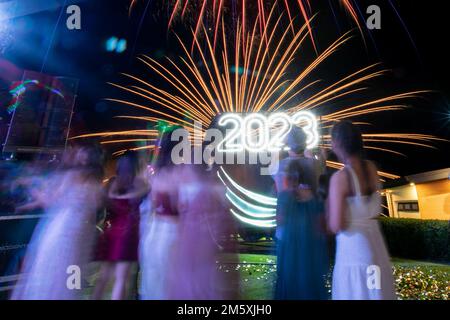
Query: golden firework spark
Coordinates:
[214,11]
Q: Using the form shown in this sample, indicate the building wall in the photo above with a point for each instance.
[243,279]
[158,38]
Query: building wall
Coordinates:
[434,199]
[402,194]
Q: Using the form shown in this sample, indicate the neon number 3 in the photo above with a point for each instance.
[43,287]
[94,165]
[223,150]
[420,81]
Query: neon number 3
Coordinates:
[310,127]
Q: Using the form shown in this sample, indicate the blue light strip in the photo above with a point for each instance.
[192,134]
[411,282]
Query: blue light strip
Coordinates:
[256,223]
[254,215]
[254,196]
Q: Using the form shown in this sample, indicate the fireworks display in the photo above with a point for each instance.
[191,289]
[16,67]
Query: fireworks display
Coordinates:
[256,72]
[256,78]
[212,12]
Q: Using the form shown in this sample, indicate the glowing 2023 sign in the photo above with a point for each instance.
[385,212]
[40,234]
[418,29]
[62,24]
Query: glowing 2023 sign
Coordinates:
[270,131]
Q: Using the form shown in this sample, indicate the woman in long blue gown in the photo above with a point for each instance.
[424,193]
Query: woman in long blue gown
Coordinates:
[302,254]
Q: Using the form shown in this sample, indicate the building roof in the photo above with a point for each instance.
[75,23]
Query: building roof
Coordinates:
[418,178]
[429,176]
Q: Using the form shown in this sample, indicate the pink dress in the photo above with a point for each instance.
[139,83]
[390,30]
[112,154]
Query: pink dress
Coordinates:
[203,222]
[120,239]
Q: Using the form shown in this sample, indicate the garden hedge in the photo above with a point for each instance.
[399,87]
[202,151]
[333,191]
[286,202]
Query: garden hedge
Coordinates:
[417,239]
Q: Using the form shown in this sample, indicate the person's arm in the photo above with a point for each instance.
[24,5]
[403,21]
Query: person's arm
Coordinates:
[281,206]
[139,191]
[337,202]
[322,161]
[320,164]
[39,201]
[33,205]
[374,177]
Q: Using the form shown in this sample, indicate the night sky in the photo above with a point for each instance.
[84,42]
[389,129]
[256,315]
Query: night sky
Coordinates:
[418,60]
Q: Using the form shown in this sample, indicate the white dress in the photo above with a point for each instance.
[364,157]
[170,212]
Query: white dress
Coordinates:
[158,239]
[362,269]
[63,240]
[156,251]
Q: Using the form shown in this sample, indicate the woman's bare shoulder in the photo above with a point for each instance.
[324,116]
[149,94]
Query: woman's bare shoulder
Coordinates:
[339,176]
[339,180]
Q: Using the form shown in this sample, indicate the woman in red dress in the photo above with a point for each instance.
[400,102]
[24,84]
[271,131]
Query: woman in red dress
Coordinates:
[118,245]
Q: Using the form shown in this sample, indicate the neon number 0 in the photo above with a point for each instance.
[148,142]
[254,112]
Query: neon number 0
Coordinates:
[248,132]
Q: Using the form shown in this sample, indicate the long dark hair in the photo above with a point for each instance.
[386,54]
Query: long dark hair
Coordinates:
[132,158]
[295,174]
[166,145]
[348,137]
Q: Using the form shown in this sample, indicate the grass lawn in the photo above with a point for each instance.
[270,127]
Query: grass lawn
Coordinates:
[415,280]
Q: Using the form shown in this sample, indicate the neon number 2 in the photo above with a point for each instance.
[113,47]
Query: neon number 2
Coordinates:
[276,142]
[229,144]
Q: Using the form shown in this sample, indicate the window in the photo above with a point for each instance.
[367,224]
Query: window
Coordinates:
[408,206]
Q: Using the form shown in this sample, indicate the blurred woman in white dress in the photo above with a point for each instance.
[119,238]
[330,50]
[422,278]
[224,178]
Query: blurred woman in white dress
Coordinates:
[362,269]
[62,243]
[157,245]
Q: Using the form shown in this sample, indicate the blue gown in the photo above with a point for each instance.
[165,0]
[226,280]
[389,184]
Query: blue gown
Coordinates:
[302,252]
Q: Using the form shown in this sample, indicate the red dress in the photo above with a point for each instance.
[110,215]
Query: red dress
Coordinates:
[120,239]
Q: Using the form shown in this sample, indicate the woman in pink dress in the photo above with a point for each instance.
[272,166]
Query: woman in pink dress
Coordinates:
[118,245]
[205,226]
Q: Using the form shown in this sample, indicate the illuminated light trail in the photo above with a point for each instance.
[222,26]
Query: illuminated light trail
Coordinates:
[253,222]
[121,152]
[18,89]
[252,195]
[244,207]
[259,214]
[118,133]
[127,140]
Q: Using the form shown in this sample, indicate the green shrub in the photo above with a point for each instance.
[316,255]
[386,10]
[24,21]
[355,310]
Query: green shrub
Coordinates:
[417,239]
